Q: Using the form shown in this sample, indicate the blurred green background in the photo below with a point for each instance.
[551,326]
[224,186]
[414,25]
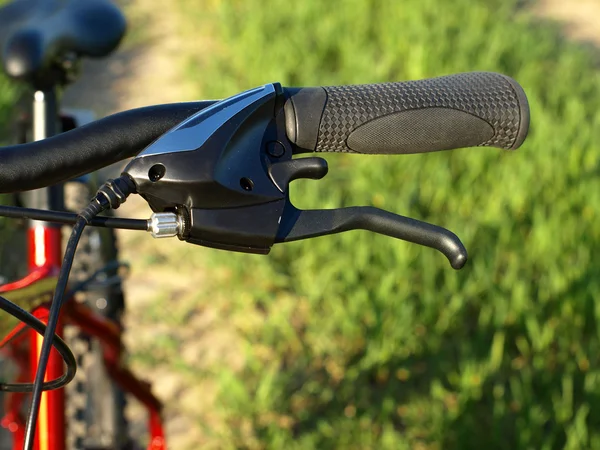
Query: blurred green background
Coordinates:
[359,341]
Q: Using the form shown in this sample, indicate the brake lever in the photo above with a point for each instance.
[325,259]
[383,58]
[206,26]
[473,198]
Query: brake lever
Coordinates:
[297,224]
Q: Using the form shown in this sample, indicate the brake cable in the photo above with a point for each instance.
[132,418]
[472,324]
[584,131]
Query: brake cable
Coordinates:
[67,218]
[62,348]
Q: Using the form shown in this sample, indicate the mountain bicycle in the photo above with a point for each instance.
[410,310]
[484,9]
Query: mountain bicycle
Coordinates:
[217,174]
[43,42]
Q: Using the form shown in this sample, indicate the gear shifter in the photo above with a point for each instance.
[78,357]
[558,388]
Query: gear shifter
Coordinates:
[225,173]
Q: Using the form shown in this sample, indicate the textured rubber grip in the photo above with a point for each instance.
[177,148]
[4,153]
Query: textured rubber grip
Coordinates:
[456,111]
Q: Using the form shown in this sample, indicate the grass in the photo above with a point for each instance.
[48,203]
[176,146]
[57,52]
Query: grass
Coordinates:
[357,341]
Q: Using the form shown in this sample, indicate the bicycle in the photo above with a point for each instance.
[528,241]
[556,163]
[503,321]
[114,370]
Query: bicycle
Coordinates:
[44,42]
[217,173]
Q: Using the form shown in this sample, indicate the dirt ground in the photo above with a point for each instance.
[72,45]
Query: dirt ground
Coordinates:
[580,18]
[145,74]
[141,75]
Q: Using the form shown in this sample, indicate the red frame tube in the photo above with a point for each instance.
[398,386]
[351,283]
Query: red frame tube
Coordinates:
[36,274]
[45,253]
[50,434]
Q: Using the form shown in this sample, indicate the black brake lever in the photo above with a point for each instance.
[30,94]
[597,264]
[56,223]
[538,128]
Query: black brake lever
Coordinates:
[298,224]
[223,178]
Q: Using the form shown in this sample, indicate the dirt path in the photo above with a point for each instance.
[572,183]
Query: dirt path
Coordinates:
[580,18]
[145,71]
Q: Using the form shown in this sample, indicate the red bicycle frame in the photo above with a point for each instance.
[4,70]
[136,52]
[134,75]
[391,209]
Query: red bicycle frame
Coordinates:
[23,345]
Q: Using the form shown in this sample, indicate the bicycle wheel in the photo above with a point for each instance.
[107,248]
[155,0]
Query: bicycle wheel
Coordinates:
[94,404]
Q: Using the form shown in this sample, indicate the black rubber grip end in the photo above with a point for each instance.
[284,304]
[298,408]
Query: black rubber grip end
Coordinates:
[524,113]
[303,111]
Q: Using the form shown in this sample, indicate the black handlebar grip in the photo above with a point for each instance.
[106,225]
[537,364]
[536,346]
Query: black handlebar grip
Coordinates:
[456,111]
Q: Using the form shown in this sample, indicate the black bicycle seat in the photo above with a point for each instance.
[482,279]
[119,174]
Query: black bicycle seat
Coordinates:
[36,34]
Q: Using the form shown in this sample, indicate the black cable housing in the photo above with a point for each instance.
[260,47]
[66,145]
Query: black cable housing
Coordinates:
[60,345]
[18,212]
[53,317]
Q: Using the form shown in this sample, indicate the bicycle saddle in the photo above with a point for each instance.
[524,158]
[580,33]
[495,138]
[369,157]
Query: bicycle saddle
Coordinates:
[36,35]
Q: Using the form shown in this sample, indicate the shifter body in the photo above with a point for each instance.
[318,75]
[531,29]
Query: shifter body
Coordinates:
[225,173]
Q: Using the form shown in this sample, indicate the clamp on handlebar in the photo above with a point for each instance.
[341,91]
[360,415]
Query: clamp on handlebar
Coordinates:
[224,173]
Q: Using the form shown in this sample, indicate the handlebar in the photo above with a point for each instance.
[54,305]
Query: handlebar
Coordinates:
[456,111]
[219,172]
[43,163]
[472,109]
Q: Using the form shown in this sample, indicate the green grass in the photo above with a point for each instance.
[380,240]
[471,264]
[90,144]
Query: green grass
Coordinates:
[359,341]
